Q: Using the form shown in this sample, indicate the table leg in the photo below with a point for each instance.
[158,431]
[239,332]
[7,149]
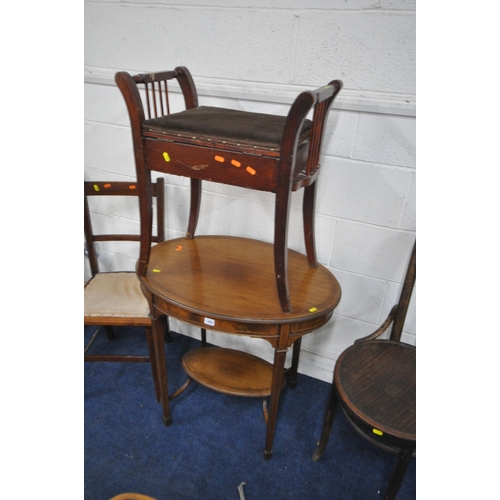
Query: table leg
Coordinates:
[278,369]
[161,363]
[292,372]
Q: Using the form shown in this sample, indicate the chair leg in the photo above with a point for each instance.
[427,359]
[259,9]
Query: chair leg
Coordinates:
[328,423]
[195,207]
[110,333]
[152,358]
[92,339]
[203,337]
[398,473]
[308,211]
[161,367]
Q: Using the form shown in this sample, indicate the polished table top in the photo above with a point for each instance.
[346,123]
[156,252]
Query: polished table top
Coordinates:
[227,284]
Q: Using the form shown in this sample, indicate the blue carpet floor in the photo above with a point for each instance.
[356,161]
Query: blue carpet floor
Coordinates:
[216,442]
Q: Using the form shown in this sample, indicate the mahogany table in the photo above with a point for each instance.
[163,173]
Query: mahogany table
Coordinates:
[227,284]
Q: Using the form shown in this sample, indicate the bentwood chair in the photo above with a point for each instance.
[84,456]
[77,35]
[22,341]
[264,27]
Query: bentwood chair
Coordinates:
[375,382]
[278,154]
[115,298]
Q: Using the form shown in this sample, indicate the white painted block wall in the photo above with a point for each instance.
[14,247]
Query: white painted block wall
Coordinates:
[257,56]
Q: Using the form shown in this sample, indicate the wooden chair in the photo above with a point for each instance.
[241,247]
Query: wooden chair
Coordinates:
[279,154]
[115,298]
[375,382]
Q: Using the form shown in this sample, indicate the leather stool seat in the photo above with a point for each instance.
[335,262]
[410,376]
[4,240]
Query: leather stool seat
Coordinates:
[224,125]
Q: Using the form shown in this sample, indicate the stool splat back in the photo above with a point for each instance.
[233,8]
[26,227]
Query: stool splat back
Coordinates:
[278,154]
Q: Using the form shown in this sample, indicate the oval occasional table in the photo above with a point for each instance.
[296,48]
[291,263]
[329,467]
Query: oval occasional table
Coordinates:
[227,284]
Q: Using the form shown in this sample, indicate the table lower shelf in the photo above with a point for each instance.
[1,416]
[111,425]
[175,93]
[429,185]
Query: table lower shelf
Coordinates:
[229,371]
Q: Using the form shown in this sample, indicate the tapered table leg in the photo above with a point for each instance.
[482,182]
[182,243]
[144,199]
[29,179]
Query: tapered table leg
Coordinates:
[292,372]
[279,365]
[278,369]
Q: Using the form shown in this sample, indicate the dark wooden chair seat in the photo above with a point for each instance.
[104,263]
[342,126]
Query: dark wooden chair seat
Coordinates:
[374,381]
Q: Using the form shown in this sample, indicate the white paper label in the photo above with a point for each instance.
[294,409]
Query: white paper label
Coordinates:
[209,321]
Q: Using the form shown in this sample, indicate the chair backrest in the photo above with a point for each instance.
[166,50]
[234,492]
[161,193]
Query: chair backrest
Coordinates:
[119,189]
[404,298]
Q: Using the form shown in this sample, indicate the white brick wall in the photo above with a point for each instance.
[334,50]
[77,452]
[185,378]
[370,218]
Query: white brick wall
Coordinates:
[257,55]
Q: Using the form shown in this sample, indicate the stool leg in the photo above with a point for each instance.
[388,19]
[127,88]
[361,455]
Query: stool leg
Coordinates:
[308,211]
[281,246]
[195,207]
[398,473]
[145,213]
[328,423]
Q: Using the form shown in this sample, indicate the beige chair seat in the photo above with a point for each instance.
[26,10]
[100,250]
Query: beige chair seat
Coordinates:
[115,294]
